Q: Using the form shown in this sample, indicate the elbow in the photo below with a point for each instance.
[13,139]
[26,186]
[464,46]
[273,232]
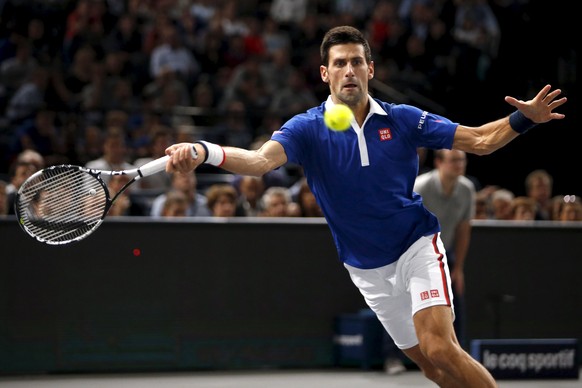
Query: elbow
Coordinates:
[483,151]
[483,146]
[263,166]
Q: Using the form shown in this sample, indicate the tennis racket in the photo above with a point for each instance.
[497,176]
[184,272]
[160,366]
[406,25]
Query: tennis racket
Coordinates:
[65,203]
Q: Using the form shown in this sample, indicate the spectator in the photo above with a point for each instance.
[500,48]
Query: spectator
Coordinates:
[476,32]
[42,135]
[29,97]
[234,128]
[539,187]
[276,69]
[557,204]
[160,140]
[251,189]
[19,172]
[483,208]
[186,183]
[288,12]
[123,205]
[33,157]
[175,205]
[308,206]
[501,204]
[277,202]
[89,143]
[523,208]
[69,83]
[126,38]
[114,155]
[18,69]
[571,209]
[171,55]
[295,97]
[482,211]
[43,48]
[222,200]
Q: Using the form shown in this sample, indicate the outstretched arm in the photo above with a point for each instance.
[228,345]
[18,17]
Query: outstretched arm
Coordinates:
[236,160]
[490,137]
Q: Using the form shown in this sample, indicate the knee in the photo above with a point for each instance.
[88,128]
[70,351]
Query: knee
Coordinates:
[438,352]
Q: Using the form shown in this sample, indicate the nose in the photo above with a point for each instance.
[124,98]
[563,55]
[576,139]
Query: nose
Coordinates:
[349,70]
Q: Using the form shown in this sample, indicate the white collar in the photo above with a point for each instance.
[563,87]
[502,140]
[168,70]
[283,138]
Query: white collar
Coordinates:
[375,108]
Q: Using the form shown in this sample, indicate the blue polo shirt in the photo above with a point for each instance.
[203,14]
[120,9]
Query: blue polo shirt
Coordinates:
[363,178]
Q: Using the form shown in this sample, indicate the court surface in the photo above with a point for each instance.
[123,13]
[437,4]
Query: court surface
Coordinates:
[254,379]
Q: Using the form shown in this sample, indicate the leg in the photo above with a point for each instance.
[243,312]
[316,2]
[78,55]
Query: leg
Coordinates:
[439,354]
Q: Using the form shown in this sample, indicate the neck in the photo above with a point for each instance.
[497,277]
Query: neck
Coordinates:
[448,184]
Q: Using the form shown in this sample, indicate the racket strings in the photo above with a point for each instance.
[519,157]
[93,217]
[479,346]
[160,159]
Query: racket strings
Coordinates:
[62,204]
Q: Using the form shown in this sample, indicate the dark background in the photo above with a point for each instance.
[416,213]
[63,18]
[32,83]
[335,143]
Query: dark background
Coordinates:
[529,58]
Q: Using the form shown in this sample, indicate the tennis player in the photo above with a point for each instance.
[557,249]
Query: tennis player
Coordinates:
[363,180]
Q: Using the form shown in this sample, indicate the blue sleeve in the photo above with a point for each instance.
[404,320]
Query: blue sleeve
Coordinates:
[430,130]
[293,137]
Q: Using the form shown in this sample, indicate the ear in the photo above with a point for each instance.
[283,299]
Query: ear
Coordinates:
[324,74]
[371,70]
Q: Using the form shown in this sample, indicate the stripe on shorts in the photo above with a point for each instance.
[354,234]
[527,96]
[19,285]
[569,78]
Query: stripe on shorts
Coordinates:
[442,268]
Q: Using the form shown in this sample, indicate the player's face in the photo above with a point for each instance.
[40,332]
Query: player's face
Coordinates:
[348,73]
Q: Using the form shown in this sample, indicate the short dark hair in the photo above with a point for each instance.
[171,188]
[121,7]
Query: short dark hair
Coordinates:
[343,35]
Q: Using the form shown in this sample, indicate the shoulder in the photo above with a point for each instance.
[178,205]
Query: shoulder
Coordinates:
[404,110]
[96,163]
[423,180]
[467,183]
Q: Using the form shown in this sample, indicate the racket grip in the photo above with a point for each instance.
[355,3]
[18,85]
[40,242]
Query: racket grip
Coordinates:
[154,166]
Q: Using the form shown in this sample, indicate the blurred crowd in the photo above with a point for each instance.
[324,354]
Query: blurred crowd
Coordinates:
[109,84]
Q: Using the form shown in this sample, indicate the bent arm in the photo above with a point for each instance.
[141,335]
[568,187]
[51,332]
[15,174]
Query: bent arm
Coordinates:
[485,139]
[244,162]
[490,137]
[236,160]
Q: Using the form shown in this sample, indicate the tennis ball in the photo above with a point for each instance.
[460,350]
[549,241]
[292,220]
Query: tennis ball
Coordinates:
[338,117]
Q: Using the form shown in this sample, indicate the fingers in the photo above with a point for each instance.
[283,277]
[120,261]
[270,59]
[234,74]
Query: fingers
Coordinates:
[551,96]
[554,104]
[544,98]
[513,101]
[181,158]
[542,93]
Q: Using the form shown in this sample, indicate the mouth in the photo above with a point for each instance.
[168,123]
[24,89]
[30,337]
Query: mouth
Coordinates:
[350,86]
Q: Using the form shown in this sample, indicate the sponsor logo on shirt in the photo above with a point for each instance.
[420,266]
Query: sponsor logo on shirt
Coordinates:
[429,294]
[422,119]
[385,134]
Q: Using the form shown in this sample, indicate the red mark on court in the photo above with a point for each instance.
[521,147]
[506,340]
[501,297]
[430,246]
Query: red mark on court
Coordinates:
[136,251]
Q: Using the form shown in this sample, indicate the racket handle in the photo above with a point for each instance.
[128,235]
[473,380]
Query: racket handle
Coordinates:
[159,164]
[153,167]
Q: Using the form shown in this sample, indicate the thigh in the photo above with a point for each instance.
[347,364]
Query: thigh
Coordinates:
[389,301]
[425,270]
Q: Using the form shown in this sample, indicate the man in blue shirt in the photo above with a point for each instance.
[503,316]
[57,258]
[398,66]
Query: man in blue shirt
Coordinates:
[363,180]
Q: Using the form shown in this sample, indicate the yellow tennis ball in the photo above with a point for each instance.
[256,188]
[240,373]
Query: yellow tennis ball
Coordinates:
[338,117]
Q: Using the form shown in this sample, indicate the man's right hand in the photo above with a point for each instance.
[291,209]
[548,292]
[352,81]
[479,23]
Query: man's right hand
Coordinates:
[184,157]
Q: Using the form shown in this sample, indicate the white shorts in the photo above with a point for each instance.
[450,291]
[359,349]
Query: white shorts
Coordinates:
[419,279]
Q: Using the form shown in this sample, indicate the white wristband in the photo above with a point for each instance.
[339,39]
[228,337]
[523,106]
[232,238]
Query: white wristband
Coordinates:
[214,153]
